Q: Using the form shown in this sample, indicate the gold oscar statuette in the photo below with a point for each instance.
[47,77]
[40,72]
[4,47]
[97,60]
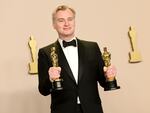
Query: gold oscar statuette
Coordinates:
[56,84]
[33,69]
[111,82]
[134,55]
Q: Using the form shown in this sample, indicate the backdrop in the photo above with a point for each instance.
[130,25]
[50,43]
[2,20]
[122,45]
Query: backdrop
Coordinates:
[104,21]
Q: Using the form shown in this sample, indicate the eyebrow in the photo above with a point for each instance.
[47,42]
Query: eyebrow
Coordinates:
[67,18]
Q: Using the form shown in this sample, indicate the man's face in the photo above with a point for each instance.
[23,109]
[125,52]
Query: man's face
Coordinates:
[64,23]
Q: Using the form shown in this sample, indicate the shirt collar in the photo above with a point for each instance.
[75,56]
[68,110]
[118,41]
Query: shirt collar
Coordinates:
[60,41]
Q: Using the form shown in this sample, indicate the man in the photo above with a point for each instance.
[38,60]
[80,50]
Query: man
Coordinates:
[80,66]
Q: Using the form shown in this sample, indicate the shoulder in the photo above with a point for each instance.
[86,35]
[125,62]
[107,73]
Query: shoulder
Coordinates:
[46,48]
[87,43]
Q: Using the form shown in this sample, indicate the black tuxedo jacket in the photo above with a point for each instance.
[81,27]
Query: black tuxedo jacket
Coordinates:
[90,73]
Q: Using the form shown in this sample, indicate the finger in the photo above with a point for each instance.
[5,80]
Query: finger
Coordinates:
[105,68]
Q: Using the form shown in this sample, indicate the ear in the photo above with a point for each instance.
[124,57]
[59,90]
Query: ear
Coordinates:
[54,25]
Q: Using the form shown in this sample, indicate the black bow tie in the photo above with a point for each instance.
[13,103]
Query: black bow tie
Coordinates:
[71,43]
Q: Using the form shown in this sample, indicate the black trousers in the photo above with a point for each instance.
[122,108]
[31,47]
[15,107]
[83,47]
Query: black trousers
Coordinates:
[79,108]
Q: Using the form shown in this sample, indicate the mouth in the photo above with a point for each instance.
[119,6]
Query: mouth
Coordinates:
[67,28]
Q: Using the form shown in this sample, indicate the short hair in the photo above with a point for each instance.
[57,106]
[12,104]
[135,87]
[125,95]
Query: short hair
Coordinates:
[62,8]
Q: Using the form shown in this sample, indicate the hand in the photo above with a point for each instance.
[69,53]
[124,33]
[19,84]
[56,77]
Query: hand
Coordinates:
[110,71]
[54,73]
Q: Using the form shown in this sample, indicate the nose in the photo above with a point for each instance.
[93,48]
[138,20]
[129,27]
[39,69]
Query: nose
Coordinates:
[66,23]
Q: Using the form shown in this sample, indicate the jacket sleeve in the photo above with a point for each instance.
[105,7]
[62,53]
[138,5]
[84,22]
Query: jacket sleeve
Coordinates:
[101,77]
[45,86]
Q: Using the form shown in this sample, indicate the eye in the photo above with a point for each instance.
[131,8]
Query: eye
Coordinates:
[60,20]
[70,18]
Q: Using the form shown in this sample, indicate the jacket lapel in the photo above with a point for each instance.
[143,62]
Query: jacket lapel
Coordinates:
[81,59]
[63,63]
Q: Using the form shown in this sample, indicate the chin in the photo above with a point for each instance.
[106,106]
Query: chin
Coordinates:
[68,34]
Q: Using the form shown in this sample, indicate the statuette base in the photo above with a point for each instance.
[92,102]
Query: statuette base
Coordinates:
[33,68]
[111,85]
[57,84]
[134,57]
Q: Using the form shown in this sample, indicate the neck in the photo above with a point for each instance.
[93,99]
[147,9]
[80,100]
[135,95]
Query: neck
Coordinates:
[67,38]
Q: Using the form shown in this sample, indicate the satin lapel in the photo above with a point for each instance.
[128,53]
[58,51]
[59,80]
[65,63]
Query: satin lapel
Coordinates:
[63,63]
[81,59]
